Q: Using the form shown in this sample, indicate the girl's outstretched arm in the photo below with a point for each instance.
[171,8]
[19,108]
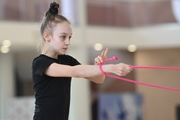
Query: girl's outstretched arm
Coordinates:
[86,71]
[90,72]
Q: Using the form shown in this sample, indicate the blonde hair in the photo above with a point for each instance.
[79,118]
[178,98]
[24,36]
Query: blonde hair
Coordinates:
[50,19]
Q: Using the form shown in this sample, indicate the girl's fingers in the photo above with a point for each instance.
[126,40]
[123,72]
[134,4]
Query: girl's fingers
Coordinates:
[101,58]
[104,54]
[98,60]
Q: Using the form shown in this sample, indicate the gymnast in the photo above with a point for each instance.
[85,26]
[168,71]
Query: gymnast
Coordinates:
[53,69]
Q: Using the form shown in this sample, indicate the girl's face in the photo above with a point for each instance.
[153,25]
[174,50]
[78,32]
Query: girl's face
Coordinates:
[60,38]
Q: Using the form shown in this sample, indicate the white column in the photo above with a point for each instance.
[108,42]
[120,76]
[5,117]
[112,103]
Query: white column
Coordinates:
[80,100]
[69,10]
[176,9]
[80,92]
[6,81]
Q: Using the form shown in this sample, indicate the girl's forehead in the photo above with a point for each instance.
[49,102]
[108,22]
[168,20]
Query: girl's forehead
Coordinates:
[64,27]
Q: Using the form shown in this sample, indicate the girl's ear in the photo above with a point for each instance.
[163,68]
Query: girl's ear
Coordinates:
[46,36]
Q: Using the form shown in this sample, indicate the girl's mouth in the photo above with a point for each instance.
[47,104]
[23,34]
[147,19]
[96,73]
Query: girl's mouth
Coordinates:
[65,48]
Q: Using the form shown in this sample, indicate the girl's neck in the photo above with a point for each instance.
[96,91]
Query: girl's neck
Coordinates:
[50,54]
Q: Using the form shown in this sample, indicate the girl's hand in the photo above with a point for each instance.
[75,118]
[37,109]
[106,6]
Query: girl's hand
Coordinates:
[101,58]
[122,69]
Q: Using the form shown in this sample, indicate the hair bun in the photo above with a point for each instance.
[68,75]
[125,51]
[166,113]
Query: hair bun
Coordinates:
[53,8]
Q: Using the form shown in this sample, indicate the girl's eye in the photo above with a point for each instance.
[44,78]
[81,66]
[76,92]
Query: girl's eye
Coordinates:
[63,37]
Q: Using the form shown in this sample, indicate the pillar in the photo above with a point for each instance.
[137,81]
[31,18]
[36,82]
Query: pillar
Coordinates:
[6,81]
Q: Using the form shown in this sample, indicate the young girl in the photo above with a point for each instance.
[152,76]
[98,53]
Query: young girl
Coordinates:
[52,69]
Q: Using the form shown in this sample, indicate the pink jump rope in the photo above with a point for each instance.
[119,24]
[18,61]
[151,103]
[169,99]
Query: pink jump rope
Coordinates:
[136,82]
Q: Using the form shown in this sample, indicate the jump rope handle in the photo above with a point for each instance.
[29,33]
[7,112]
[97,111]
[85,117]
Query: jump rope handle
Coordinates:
[110,59]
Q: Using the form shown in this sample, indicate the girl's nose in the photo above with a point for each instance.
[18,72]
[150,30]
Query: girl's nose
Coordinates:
[67,42]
